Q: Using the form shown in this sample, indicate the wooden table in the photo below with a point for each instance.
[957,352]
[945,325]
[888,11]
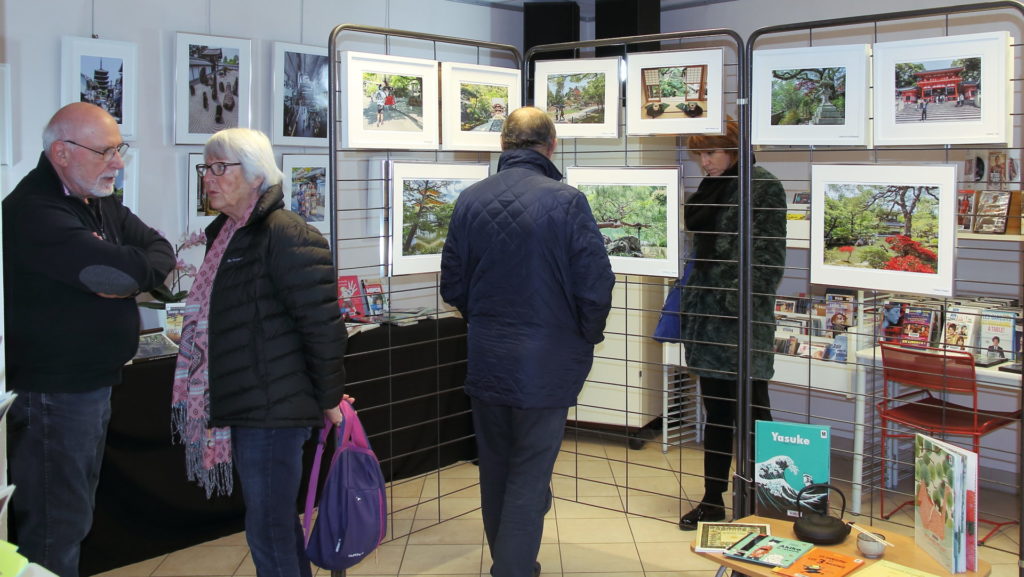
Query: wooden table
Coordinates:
[905,552]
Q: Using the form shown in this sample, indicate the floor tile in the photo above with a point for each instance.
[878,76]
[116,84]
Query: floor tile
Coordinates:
[602,557]
[587,531]
[441,559]
[454,532]
[202,561]
[140,569]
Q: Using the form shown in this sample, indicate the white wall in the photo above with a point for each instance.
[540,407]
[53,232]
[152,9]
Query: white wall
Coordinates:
[32,33]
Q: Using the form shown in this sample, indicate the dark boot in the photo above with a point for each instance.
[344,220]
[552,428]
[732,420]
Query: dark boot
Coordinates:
[707,512]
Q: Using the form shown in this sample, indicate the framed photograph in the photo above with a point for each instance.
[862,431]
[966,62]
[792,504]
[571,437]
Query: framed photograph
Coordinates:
[811,96]
[300,95]
[884,228]
[388,102]
[306,190]
[104,73]
[198,214]
[637,212]
[675,93]
[965,210]
[991,211]
[213,86]
[580,96]
[802,197]
[951,90]
[423,196]
[474,103]
[126,184]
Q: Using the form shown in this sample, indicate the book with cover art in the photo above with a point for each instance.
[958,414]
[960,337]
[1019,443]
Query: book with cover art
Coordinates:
[155,345]
[821,562]
[991,210]
[350,297]
[995,338]
[886,568]
[917,326]
[942,510]
[174,319]
[960,329]
[376,298]
[717,537]
[788,457]
[965,210]
[768,550]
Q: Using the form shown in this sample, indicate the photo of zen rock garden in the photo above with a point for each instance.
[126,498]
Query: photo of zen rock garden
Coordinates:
[674,92]
[392,102]
[882,227]
[427,206]
[809,96]
[938,91]
[102,83]
[576,98]
[483,107]
[632,218]
[213,88]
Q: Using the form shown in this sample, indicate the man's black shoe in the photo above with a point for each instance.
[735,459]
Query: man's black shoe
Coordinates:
[702,512]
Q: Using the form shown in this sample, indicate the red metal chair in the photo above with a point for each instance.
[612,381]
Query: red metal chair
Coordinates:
[931,374]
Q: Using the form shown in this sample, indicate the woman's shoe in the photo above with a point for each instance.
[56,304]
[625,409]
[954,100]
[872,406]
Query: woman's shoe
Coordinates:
[703,512]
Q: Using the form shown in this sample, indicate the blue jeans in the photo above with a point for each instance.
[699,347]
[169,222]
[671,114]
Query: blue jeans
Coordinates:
[56,450]
[269,466]
[517,451]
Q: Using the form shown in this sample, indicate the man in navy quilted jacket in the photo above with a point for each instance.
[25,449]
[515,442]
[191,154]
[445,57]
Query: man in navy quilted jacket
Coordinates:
[526,266]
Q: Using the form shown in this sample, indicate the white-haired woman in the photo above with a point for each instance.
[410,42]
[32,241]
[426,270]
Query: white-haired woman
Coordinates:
[261,357]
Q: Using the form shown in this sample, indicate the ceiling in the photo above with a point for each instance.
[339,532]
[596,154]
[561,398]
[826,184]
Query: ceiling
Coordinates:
[587,6]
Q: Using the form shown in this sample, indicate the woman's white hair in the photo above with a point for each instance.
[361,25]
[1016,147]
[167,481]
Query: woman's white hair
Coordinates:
[251,148]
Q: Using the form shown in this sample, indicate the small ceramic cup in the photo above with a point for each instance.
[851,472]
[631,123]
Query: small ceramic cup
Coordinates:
[869,547]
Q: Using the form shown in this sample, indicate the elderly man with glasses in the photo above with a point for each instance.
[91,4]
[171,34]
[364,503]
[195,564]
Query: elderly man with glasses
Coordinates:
[74,258]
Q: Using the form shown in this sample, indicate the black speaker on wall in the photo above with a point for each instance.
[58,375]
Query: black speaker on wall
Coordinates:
[617,18]
[549,23]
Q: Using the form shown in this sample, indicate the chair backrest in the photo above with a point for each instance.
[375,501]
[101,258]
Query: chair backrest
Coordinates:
[929,368]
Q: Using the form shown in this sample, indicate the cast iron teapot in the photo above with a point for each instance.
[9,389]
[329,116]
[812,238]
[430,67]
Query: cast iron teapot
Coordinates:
[817,528]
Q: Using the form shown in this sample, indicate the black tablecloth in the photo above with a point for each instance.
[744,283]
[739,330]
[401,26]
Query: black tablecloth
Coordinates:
[408,387]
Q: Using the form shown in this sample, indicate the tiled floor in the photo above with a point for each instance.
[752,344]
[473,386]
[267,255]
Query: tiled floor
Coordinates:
[586,534]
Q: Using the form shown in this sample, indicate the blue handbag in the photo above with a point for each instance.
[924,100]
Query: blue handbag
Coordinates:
[670,323]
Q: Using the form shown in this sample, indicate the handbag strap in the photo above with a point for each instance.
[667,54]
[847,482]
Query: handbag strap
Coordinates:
[349,434]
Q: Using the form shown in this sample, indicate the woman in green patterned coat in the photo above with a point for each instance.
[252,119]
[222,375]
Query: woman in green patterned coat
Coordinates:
[710,300]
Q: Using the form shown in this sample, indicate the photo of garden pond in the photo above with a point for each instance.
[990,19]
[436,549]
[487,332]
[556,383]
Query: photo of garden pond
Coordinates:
[632,218]
[882,227]
[576,98]
[809,96]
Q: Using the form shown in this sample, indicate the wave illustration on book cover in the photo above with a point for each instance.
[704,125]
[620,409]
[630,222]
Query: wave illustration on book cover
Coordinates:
[797,456]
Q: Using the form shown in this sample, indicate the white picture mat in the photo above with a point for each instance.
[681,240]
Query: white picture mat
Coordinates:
[856,129]
[669,178]
[939,175]
[182,81]
[128,178]
[320,86]
[610,67]
[292,162]
[354,134]
[400,172]
[194,222]
[711,123]
[453,76]
[6,119]
[74,48]
[993,126]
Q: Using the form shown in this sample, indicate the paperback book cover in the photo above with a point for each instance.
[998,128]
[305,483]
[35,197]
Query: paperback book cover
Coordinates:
[940,507]
[768,550]
[821,562]
[376,298]
[717,537]
[917,326]
[788,457]
[992,207]
[350,298]
[995,339]
[885,568]
[961,328]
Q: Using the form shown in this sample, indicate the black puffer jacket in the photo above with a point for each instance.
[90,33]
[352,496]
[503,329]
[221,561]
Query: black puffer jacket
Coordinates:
[277,341]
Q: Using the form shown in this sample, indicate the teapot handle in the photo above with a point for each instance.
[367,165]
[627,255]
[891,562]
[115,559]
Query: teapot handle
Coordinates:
[842,511]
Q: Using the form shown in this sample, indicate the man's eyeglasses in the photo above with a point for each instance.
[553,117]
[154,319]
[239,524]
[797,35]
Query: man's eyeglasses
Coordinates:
[107,153]
[217,168]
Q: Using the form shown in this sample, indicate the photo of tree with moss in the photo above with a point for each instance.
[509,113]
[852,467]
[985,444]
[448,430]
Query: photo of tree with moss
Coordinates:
[483,107]
[632,218]
[576,98]
[882,227]
[809,96]
[674,92]
[427,206]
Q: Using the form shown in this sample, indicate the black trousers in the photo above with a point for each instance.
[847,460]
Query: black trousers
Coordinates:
[719,429]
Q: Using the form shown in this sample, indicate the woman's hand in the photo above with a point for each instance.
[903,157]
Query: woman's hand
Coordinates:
[334,413]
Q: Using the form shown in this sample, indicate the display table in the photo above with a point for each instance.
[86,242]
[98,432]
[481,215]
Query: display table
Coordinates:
[407,382]
[905,552]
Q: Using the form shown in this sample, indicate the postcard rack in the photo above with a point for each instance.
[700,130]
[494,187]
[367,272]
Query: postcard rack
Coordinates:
[360,234]
[987,266]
